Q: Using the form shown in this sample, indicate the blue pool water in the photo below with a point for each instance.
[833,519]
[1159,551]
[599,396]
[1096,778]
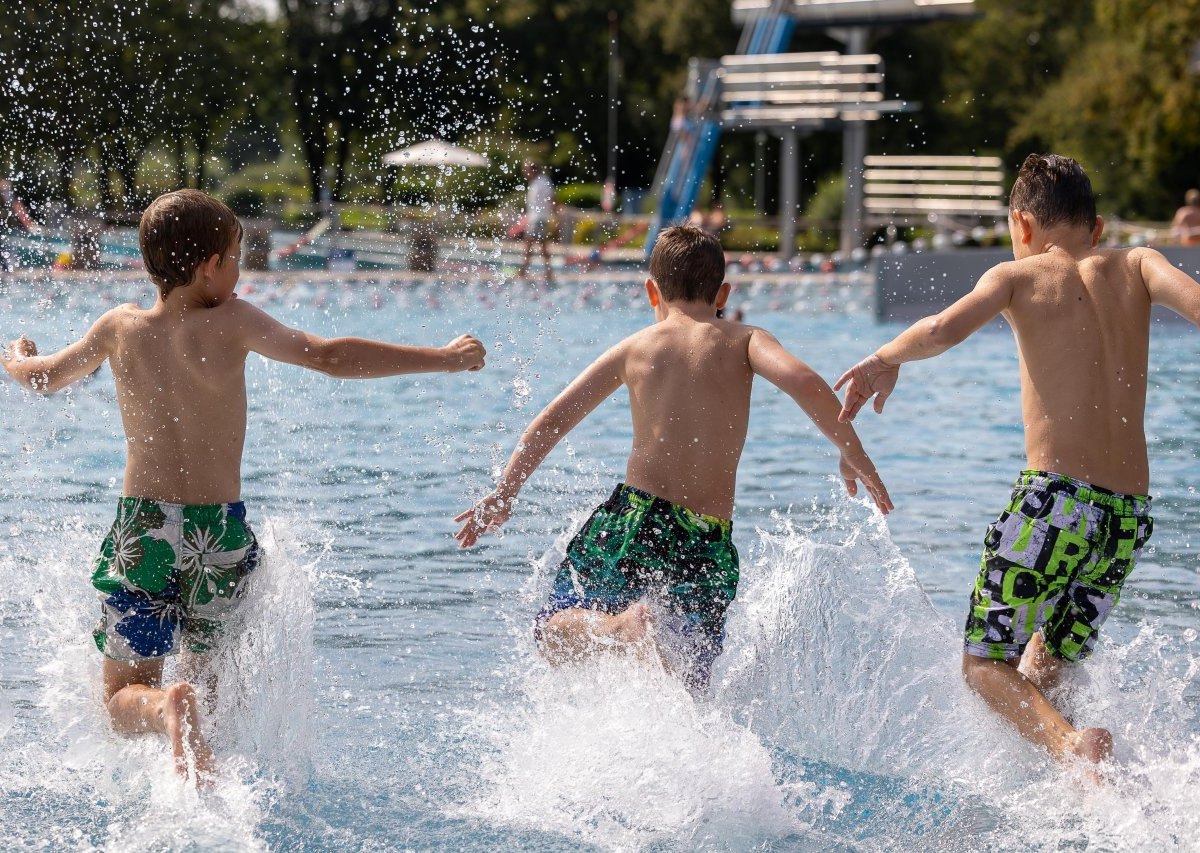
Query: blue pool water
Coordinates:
[384,693]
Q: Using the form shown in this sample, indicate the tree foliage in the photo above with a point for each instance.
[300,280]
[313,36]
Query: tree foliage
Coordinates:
[99,88]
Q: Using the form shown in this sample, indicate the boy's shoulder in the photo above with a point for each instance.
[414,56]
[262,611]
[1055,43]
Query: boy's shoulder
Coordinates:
[117,318]
[1035,266]
[667,334]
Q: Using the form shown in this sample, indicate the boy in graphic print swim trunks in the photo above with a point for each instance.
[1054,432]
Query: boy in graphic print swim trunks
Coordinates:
[1056,558]
[664,536]
[174,564]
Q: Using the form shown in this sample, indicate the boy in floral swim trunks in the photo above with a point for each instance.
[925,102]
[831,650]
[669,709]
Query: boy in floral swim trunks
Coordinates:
[664,536]
[1055,560]
[174,565]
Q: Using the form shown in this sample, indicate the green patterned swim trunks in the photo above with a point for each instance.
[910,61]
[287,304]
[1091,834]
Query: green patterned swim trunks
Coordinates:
[169,574]
[636,546]
[1054,561]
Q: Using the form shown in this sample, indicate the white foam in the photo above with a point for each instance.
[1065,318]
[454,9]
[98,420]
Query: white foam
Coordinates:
[838,717]
[121,793]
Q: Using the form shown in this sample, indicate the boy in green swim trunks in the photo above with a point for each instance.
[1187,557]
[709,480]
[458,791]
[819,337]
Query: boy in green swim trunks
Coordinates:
[174,565]
[1055,560]
[664,536]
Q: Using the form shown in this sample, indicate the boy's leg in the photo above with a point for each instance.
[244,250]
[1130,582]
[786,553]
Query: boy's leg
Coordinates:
[521,273]
[1016,698]
[137,705]
[1039,666]
[579,632]
[546,261]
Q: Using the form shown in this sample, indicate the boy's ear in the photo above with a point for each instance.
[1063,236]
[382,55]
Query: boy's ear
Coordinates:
[723,295]
[653,293]
[1024,226]
[1097,231]
[209,265]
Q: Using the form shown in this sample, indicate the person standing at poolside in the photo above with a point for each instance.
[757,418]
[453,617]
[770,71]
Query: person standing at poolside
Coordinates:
[1186,225]
[539,208]
[1055,560]
[174,566]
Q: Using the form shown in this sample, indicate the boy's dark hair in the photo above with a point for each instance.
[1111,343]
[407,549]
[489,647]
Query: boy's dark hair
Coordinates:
[181,230]
[688,264]
[1053,190]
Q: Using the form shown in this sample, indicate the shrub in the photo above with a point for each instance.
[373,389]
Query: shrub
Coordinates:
[584,196]
[750,238]
[247,201]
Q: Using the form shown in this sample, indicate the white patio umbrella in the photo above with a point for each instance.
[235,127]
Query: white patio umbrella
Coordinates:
[438,154]
[434,152]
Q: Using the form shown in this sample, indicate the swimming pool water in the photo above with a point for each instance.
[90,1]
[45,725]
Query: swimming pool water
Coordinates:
[385,694]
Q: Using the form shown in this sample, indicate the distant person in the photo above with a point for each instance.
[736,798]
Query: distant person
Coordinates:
[655,566]
[174,566]
[716,221]
[539,209]
[1186,224]
[11,207]
[1058,555]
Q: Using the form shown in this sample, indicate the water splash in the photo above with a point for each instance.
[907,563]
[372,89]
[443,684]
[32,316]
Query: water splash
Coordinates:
[121,793]
[837,720]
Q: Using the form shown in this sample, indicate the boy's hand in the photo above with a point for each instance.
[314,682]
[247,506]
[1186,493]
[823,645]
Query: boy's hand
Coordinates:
[858,466]
[22,347]
[488,514]
[464,353]
[870,377]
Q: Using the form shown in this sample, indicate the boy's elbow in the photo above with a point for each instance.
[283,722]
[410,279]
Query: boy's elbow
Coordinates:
[942,334]
[323,357]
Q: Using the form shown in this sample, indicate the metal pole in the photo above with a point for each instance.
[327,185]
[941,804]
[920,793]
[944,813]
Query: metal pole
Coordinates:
[760,173]
[789,187]
[854,150]
[610,178]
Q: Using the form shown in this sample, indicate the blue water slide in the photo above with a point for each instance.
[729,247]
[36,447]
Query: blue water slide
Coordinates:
[689,153]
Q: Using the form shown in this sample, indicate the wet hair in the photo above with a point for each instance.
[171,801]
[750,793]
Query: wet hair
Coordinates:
[1192,197]
[1054,190]
[688,264]
[181,230]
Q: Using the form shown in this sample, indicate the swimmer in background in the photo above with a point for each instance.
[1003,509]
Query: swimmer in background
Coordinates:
[1055,560]
[664,537]
[173,567]
[1185,227]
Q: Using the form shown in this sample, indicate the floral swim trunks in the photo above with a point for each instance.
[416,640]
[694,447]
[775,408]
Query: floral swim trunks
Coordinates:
[1055,560]
[636,546]
[169,574]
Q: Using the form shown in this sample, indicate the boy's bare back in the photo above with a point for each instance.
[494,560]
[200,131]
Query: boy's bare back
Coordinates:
[689,386]
[181,387]
[1082,329]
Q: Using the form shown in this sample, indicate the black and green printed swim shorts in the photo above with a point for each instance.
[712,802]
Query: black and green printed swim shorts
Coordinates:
[636,546]
[1055,561]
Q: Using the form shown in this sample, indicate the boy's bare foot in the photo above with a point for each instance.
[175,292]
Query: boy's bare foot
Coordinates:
[632,625]
[181,722]
[577,632]
[1094,745]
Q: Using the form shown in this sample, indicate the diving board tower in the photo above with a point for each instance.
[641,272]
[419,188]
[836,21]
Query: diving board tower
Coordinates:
[789,95]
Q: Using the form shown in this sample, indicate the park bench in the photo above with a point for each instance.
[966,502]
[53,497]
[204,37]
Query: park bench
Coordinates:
[907,190]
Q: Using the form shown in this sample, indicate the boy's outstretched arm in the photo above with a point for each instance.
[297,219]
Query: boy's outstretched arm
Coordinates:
[771,361]
[49,373]
[350,358]
[877,374]
[1168,285]
[592,387]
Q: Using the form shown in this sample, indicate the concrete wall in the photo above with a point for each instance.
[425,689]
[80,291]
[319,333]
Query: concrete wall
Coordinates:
[908,287]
